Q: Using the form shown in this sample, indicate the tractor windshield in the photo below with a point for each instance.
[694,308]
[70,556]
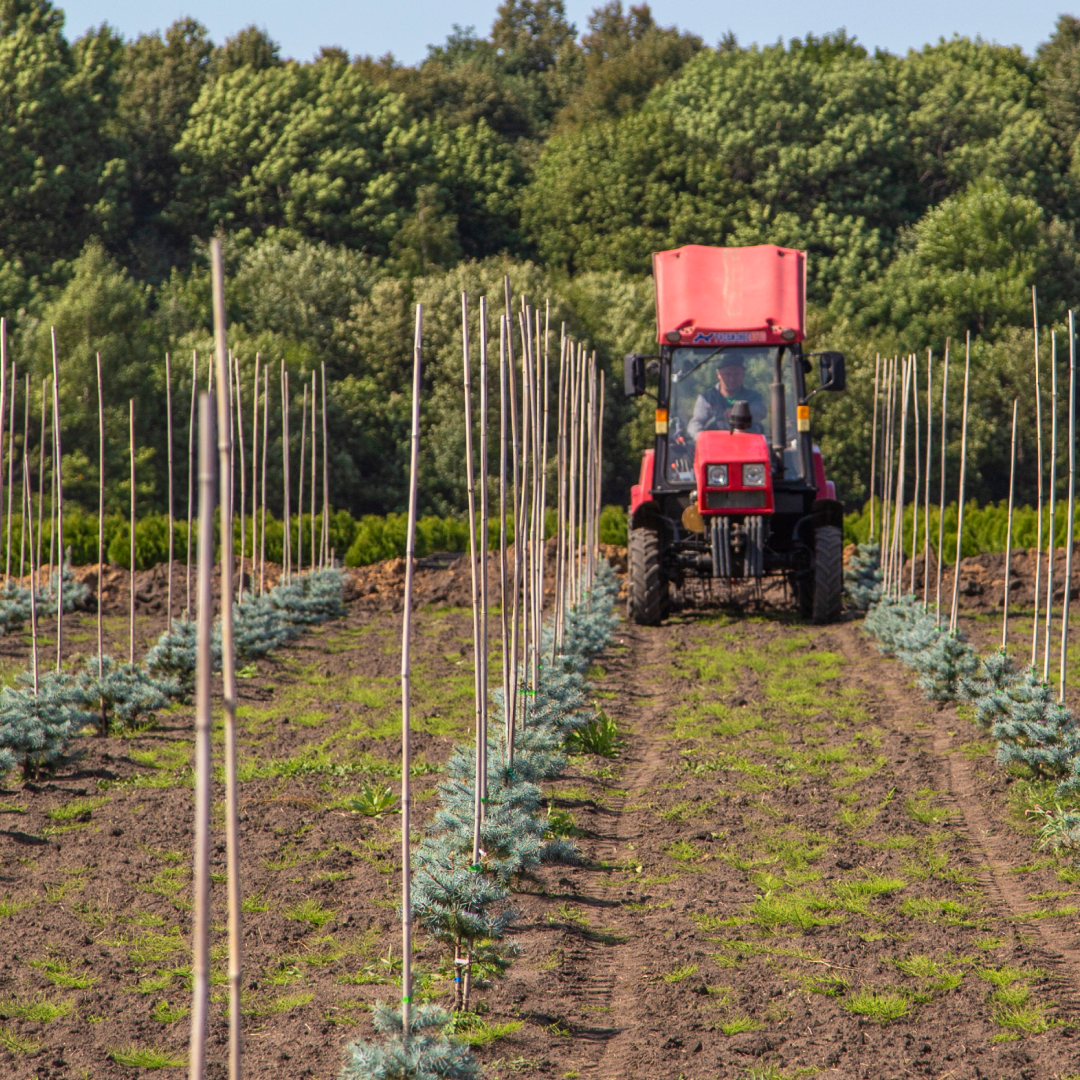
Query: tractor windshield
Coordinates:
[704,384]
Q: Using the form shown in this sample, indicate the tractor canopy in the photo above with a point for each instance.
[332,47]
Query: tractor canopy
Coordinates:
[730,296]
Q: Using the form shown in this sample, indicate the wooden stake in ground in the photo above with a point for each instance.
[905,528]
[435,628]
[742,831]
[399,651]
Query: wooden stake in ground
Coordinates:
[1008,535]
[58,445]
[960,502]
[100,540]
[1053,492]
[1072,508]
[3,411]
[926,481]
[503,597]
[191,476]
[941,485]
[131,570]
[873,442]
[11,470]
[478,785]
[168,411]
[26,450]
[483,550]
[228,655]
[898,527]
[1039,488]
[286,559]
[266,443]
[41,470]
[406,644]
[254,471]
[915,491]
[200,966]
[325,476]
[243,477]
[300,496]
[33,578]
[314,472]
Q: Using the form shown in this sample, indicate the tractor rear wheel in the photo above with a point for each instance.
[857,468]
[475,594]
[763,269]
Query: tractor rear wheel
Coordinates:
[828,574]
[647,585]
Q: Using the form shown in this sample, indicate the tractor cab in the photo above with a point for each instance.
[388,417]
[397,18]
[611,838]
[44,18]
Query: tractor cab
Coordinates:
[733,487]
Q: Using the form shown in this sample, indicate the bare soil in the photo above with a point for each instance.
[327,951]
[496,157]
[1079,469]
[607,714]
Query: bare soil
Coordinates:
[789,833]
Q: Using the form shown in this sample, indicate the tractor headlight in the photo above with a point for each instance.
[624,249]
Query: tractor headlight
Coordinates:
[753,475]
[716,476]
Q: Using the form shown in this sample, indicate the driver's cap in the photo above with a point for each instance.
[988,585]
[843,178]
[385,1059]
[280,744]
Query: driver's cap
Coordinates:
[733,360]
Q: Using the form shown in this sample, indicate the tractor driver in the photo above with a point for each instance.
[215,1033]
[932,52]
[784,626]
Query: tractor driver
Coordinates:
[712,407]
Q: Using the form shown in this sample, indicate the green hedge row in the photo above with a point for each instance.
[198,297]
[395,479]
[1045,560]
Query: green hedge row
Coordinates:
[359,541]
[985,527]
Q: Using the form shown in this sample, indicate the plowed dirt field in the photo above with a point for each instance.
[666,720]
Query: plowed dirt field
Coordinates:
[794,866]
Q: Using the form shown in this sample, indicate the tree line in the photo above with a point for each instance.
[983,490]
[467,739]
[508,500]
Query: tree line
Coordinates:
[931,191]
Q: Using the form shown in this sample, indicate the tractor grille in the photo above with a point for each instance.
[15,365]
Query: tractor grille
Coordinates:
[734,500]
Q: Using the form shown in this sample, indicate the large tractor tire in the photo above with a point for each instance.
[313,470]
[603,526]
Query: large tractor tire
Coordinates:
[828,574]
[647,586]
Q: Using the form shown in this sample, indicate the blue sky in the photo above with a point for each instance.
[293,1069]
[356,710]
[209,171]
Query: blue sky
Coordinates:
[407,27]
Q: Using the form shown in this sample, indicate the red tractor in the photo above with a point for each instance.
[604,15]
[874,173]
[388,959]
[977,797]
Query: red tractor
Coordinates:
[734,488]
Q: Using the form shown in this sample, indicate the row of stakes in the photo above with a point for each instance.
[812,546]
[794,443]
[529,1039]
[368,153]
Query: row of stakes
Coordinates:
[896,397]
[524,419]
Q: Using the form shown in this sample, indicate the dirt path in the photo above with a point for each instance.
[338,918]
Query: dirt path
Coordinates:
[797,864]
[793,864]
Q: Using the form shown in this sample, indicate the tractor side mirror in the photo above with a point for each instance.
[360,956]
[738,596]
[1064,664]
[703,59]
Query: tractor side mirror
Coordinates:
[634,374]
[832,371]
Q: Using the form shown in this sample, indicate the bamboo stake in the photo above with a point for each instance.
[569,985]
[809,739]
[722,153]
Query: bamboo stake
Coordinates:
[513,659]
[521,532]
[478,784]
[300,497]
[560,470]
[200,967]
[243,476]
[1071,511]
[1008,535]
[254,471]
[314,471]
[11,469]
[228,657]
[191,477]
[406,643]
[963,478]
[941,484]
[543,478]
[926,481]
[41,468]
[1053,491]
[26,450]
[502,535]
[915,490]
[483,551]
[898,531]
[59,450]
[33,578]
[131,570]
[873,442]
[1039,465]
[168,410]
[888,421]
[266,443]
[287,541]
[3,411]
[101,536]
[325,476]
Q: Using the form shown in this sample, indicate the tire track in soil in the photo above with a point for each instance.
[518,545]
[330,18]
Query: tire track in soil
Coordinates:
[609,979]
[1057,948]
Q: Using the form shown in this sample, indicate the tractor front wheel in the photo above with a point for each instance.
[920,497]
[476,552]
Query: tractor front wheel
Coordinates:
[828,574]
[647,585]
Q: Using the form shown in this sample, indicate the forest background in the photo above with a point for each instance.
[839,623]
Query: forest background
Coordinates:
[931,191]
